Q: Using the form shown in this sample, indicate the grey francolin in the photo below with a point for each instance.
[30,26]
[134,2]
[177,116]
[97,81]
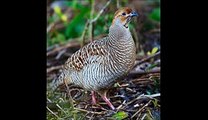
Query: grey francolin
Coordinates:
[97,65]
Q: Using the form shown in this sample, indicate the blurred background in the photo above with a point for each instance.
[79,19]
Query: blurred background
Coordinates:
[66,20]
[68,30]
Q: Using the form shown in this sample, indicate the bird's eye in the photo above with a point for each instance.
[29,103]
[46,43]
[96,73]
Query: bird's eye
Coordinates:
[123,13]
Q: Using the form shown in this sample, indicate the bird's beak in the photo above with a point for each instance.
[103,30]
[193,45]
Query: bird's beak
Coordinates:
[132,14]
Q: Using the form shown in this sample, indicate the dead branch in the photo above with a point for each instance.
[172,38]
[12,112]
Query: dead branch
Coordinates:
[50,27]
[90,23]
[101,11]
[53,68]
[69,94]
[52,112]
[60,54]
[91,17]
[61,108]
[136,39]
[142,96]
[143,116]
[140,109]
[153,95]
[83,110]
[84,33]
[138,116]
[68,45]
[117,4]
[138,98]
[140,79]
[156,70]
[146,59]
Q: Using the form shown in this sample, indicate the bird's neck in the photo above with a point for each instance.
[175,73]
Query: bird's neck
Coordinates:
[122,48]
[118,34]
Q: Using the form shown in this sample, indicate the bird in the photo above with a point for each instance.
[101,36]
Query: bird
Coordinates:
[97,65]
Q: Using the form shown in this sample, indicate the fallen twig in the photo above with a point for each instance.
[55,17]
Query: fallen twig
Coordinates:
[143,116]
[156,70]
[91,117]
[60,54]
[140,109]
[69,94]
[52,112]
[68,45]
[138,116]
[101,11]
[84,33]
[140,79]
[153,95]
[143,96]
[50,27]
[60,108]
[147,58]
[137,44]
[54,68]
[121,105]
[83,110]
[117,4]
[90,23]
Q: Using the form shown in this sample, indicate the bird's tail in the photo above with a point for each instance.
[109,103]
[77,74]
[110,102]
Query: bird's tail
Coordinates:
[57,81]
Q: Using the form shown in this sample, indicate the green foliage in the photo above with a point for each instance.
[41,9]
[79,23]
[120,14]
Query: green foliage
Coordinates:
[103,24]
[154,50]
[155,102]
[151,67]
[56,38]
[120,115]
[148,115]
[76,25]
[155,15]
[157,85]
[61,107]
[155,88]
[152,114]
[153,19]
[72,27]
[59,38]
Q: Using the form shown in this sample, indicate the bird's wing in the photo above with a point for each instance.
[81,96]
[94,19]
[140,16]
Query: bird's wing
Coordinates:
[86,55]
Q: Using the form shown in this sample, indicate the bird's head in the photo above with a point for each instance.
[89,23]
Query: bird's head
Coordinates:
[123,16]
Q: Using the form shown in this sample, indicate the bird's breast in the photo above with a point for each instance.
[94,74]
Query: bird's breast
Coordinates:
[102,70]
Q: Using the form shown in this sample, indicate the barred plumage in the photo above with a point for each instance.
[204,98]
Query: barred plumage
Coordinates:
[97,65]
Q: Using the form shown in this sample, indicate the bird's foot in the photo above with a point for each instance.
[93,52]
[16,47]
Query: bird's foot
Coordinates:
[93,98]
[108,102]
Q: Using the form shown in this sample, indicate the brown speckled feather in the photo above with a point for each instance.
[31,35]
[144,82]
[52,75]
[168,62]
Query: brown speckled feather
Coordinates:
[81,58]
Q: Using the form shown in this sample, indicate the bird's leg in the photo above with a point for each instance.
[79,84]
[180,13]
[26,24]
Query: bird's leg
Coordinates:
[103,95]
[93,97]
